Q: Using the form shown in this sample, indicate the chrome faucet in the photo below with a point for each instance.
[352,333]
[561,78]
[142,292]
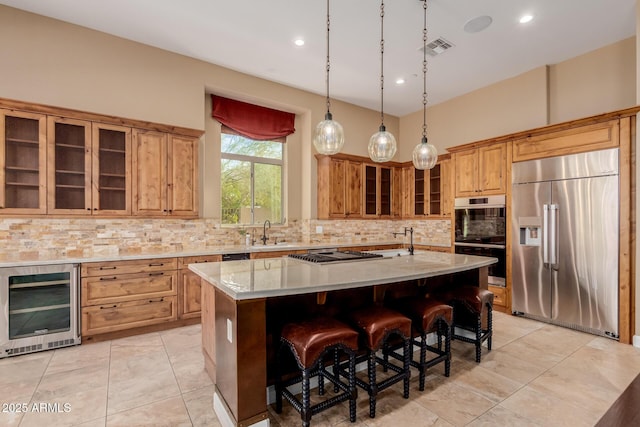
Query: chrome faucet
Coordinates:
[264,237]
[404,233]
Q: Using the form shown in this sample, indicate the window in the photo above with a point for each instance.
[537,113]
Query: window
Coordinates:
[251,180]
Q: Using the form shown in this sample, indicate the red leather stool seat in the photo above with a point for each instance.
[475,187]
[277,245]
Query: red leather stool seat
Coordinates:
[469,306]
[310,341]
[428,315]
[377,325]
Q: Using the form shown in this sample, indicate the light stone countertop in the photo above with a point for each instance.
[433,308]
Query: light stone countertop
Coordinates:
[17,260]
[283,276]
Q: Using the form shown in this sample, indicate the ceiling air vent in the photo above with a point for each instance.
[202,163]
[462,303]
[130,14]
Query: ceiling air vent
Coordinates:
[438,46]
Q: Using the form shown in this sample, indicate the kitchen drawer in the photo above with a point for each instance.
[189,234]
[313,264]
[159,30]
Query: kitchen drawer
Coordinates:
[184,262]
[111,268]
[499,295]
[127,287]
[126,315]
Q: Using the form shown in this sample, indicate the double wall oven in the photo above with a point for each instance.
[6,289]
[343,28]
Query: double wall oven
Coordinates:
[480,224]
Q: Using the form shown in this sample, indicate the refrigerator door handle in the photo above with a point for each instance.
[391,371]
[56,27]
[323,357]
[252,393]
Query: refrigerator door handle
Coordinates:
[553,239]
[545,231]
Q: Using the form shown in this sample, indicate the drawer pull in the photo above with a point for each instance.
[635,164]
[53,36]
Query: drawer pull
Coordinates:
[157,264]
[108,278]
[159,300]
[159,273]
[108,268]
[106,307]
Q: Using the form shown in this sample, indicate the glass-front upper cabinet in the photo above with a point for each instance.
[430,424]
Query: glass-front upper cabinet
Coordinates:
[89,168]
[69,165]
[111,189]
[378,186]
[22,162]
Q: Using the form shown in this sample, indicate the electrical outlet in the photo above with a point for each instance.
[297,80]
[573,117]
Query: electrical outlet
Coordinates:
[318,229]
[229,331]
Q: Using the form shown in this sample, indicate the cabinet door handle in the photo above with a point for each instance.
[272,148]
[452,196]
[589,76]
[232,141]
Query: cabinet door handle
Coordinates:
[108,268]
[108,278]
[160,273]
[108,306]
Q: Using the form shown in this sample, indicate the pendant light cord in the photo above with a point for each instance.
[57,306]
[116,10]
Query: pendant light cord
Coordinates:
[328,62]
[424,74]
[382,64]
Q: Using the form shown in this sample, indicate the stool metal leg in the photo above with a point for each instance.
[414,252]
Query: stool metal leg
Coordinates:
[447,347]
[373,387]
[305,414]
[489,325]
[278,384]
[406,367]
[423,358]
[321,377]
[336,368]
[352,387]
[479,338]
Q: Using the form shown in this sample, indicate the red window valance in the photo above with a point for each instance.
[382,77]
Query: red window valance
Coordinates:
[252,121]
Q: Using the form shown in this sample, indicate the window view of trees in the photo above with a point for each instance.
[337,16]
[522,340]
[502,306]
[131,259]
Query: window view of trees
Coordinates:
[251,180]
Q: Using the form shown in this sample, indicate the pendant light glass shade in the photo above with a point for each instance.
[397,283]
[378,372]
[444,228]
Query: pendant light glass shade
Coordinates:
[382,144]
[425,155]
[328,137]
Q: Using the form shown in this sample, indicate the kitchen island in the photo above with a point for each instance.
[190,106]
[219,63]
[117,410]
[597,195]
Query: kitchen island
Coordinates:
[246,302]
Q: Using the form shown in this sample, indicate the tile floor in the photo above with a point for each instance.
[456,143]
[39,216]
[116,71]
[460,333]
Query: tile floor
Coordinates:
[536,375]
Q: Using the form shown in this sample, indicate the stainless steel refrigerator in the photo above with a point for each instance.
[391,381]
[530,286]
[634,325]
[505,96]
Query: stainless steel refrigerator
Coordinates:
[565,219]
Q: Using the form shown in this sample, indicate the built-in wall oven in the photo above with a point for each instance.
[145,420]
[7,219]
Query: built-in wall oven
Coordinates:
[38,308]
[480,229]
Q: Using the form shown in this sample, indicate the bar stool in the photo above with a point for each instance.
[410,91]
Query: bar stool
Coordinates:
[469,305]
[377,326]
[310,341]
[428,315]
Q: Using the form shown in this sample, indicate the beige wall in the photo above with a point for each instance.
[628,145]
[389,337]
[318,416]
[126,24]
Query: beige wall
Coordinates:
[508,106]
[64,65]
[597,82]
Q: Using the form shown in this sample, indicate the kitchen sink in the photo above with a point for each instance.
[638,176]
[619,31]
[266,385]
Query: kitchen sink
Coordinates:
[390,253]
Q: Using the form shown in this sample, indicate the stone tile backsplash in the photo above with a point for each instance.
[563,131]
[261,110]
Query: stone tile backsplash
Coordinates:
[25,238]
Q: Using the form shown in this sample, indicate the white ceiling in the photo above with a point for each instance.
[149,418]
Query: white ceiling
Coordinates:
[256,37]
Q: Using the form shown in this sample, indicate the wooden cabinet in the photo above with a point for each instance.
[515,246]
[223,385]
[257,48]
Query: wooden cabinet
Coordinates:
[431,191]
[339,188]
[121,295]
[165,174]
[427,192]
[111,169]
[481,171]
[23,162]
[55,161]
[69,166]
[499,297]
[89,168]
[598,136]
[378,191]
[189,289]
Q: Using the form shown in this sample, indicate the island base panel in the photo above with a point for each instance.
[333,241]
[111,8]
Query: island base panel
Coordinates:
[240,357]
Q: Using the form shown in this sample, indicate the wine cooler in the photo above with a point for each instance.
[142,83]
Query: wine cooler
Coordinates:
[39,308]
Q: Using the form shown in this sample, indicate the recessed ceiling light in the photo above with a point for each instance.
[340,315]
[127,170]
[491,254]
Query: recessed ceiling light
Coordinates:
[298,42]
[478,24]
[526,18]
[400,81]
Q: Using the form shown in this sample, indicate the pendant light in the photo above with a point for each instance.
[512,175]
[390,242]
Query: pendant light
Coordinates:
[382,145]
[328,137]
[425,155]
